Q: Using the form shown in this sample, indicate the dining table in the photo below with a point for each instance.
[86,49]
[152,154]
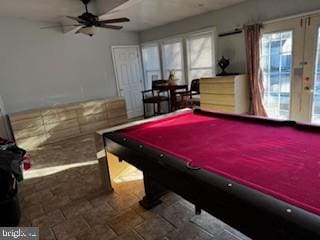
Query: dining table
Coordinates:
[172,89]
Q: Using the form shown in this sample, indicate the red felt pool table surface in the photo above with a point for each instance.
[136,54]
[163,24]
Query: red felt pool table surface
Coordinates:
[281,161]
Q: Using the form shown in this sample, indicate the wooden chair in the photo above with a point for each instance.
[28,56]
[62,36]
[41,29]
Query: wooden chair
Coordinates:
[188,98]
[155,97]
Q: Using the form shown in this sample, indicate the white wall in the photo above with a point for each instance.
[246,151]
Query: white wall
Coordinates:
[229,18]
[43,67]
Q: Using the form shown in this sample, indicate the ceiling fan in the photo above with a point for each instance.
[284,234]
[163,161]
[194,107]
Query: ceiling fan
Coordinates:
[88,22]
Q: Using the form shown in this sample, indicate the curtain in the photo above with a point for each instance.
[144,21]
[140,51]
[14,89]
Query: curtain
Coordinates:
[252,41]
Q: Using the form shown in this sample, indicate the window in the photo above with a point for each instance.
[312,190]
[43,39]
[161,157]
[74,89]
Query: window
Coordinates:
[276,60]
[190,56]
[200,56]
[172,56]
[151,64]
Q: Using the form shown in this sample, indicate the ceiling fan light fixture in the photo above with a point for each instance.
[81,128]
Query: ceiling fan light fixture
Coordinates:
[89,31]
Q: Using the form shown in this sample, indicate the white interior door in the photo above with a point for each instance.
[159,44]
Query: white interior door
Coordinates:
[127,64]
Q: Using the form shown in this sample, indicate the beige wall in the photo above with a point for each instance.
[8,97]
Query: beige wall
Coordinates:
[43,67]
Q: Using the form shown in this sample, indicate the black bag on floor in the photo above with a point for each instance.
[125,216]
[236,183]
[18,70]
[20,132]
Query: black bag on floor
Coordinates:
[9,202]
[10,174]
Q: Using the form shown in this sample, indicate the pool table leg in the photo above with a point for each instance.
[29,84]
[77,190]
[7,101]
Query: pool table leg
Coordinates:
[103,163]
[105,175]
[153,190]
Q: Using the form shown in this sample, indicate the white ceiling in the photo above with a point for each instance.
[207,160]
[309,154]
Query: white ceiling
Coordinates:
[144,14]
[151,13]
[41,10]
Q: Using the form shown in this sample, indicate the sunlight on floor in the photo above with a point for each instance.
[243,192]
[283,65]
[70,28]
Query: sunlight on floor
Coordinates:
[131,174]
[52,170]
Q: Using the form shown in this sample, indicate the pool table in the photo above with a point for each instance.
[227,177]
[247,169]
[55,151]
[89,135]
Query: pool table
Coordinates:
[260,176]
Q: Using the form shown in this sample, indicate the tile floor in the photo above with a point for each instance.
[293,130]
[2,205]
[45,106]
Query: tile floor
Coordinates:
[62,195]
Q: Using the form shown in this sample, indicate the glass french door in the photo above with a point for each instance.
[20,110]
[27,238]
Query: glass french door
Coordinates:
[277,71]
[290,58]
[281,65]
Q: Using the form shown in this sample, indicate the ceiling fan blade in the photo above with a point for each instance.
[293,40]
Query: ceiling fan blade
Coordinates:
[111,27]
[59,26]
[115,20]
[78,31]
[75,18]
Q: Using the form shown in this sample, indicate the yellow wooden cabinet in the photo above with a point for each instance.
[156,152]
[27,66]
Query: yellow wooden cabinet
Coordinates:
[225,94]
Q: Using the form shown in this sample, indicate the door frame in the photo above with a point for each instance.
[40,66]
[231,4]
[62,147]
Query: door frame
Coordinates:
[115,67]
